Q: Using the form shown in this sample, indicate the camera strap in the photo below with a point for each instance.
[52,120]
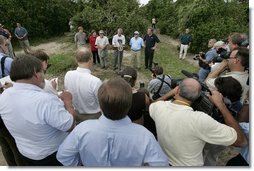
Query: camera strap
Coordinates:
[162,81]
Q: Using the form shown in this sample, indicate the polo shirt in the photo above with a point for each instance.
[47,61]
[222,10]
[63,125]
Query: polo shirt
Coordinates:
[136,43]
[84,89]
[242,77]
[37,120]
[185,39]
[182,132]
[80,38]
[7,65]
[150,41]
[20,32]
[101,42]
[104,142]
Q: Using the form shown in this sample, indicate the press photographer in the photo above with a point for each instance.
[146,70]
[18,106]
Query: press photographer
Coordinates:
[160,84]
[205,59]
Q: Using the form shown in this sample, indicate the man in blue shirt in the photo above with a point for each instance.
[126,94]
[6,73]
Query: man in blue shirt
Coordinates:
[136,44]
[5,59]
[204,62]
[21,34]
[112,140]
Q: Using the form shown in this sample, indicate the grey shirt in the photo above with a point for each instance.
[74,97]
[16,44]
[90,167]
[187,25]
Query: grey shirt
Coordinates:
[80,38]
[155,83]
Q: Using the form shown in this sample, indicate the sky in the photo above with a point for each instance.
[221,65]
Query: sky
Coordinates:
[143,2]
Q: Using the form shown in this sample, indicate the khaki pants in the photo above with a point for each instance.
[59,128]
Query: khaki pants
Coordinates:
[136,58]
[25,46]
[183,51]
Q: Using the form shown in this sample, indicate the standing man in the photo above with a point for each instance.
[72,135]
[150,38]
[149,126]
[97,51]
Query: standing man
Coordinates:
[7,35]
[118,42]
[185,40]
[84,87]
[136,44]
[80,37]
[153,22]
[205,60]
[151,41]
[40,121]
[21,34]
[102,45]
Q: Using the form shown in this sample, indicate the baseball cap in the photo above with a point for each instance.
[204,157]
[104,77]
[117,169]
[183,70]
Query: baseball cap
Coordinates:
[101,32]
[136,32]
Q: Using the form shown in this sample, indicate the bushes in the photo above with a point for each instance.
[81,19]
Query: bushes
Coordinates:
[206,18]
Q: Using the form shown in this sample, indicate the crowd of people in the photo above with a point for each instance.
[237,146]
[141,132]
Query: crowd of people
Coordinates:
[95,122]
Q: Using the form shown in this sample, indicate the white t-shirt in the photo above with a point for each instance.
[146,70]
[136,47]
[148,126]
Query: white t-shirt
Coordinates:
[37,120]
[242,77]
[84,89]
[117,40]
[182,132]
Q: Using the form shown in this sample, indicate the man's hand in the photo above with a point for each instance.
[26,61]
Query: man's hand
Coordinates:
[66,97]
[217,99]
[7,85]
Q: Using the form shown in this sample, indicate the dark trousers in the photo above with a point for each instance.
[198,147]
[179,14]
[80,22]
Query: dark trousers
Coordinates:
[9,148]
[237,161]
[95,57]
[48,161]
[149,57]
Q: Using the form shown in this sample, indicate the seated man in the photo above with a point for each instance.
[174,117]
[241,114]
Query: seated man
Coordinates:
[112,140]
[83,87]
[182,132]
[37,120]
[160,84]
[237,63]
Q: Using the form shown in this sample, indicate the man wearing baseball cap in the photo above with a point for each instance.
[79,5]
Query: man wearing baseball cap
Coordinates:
[102,44]
[136,44]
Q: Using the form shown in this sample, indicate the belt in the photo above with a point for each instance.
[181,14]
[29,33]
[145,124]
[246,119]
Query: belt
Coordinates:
[135,50]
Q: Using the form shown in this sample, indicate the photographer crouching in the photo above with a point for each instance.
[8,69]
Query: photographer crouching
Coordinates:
[160,84]
[204,59]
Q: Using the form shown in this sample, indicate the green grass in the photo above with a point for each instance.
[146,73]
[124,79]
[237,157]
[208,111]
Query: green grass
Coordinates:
[167,57]
[61,63]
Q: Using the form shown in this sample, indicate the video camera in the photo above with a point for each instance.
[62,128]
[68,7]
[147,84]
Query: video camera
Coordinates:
[204,104]
[222,54]
[198,56]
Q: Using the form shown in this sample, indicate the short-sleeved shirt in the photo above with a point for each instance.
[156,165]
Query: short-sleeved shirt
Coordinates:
[150,40]
[210,54]
[104,142]
[117,40]
[185,39]
[102,42]
[20,32]
[136,43]
[84,89]
[182,132]
[37,120]
[7,65]
[242,77]
[154,85]
[80,38]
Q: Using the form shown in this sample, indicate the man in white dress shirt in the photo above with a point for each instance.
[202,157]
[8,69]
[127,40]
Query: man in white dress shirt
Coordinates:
[37,120]
[83,87]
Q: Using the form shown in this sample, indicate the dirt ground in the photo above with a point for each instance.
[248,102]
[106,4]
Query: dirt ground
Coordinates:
[54,48]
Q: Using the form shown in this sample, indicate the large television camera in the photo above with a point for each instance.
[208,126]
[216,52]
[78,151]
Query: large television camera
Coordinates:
[204,104]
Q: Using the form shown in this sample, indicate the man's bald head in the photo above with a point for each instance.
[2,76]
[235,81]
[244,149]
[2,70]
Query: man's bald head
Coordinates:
[189,89]
[83,55]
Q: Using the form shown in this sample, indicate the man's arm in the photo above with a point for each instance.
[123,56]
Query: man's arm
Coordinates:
[220,69]
[169,94]
[217,99]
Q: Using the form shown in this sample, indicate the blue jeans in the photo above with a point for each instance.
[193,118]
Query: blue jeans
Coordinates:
[202,74]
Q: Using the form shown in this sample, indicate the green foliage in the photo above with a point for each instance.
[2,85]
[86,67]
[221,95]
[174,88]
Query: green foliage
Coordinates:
[110,15]
[42,18]
[61,63]
[206,18]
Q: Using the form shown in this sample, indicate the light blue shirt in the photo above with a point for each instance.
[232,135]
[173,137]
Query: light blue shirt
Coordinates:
[7,65]
[37,120]
[104,142]
[136,44]
[245,151]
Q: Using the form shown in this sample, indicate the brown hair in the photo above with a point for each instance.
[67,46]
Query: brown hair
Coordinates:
[40,55]
[115,98]
[129,74]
